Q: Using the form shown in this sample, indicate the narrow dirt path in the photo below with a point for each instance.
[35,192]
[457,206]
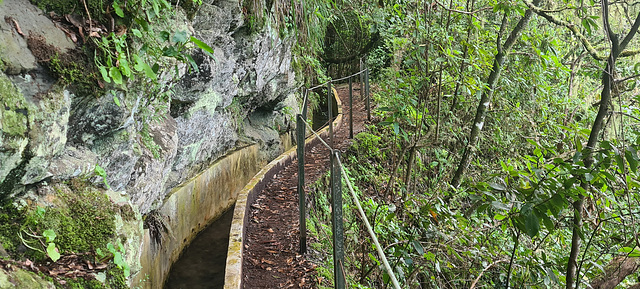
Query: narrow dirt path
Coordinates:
[271,258]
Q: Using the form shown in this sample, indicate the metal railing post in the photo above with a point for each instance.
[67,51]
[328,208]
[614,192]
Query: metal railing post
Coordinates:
[302,204]
[366,85]
[350,108]
[361,78]
[330,106]
[338,234]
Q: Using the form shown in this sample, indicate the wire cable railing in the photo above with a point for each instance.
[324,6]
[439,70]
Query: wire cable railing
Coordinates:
[338,173]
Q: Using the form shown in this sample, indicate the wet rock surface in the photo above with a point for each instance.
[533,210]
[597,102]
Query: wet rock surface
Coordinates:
[50,132]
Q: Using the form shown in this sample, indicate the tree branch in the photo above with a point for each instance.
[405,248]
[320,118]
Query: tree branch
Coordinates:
[615,272]
[576,32]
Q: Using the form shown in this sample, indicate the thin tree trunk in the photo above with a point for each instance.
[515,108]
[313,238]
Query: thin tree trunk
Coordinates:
[487,94]
[607,80]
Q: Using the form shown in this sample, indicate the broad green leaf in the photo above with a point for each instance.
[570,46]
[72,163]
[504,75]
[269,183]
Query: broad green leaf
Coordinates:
[149,72]
[52,252]
[100,171]
[117,9]
[499,217]
[124,67]
[104,73]
[180,37]
[111,248]
[136,32]
[164,35]
[499,205]
[50,235]
[115,74]
[139,64]
[531,223]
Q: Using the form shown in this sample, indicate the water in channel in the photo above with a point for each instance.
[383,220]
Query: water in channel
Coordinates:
[202,264]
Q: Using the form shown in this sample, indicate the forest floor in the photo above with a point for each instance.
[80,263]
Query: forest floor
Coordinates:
[271,256]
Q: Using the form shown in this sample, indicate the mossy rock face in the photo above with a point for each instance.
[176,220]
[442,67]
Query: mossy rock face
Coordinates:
[13,123]
[14,113]
[23,279]
[83,218]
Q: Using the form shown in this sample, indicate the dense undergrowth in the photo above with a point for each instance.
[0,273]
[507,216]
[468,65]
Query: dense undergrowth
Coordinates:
[548,197]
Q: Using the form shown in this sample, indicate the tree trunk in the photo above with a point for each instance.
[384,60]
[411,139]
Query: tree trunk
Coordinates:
[617,270]
[607,80]
[487,94]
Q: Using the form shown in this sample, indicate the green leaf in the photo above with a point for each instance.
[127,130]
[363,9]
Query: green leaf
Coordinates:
[136,32]
[180,37]
[111,248]
[170,51]
[52,252]
[499,217]
[164,35]
[497,186]
[115,74]
[117,101]
[418,247]
[117,9]
[104,73]
[100,171]
[117,259]
[193,63]
[632,157]
[531,223]
[499,205]
[124,67]
[148,71]
[50,235]
[203,46]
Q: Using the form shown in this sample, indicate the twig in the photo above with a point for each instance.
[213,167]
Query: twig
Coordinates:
[463,12]
[473,285]
[86,9]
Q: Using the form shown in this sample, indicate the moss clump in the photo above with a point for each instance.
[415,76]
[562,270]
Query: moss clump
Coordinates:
[13,123]
[74,68]
[11,220]
[116,279]
[10,97]
[83,221]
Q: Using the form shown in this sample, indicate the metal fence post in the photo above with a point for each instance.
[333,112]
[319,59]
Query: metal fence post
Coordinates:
[330,106]
[366,85]
[350,108]
[300,127]
[304,104]
[361,77]
[338,234]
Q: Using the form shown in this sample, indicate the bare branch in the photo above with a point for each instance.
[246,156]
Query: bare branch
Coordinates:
[574,30]
[463,12]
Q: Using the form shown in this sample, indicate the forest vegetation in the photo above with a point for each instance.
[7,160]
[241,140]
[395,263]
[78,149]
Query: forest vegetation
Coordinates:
[503,149]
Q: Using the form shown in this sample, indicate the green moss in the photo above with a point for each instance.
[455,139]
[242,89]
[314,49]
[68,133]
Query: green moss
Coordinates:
[13,123]
[75,69]
[81,283]
[82,222]
[11,220]
[10,97]
[116,279]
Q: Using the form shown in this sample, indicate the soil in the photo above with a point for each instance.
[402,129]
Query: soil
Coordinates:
[271,256]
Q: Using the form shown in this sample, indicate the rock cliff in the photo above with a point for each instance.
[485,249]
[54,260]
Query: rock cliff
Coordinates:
[51,131]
